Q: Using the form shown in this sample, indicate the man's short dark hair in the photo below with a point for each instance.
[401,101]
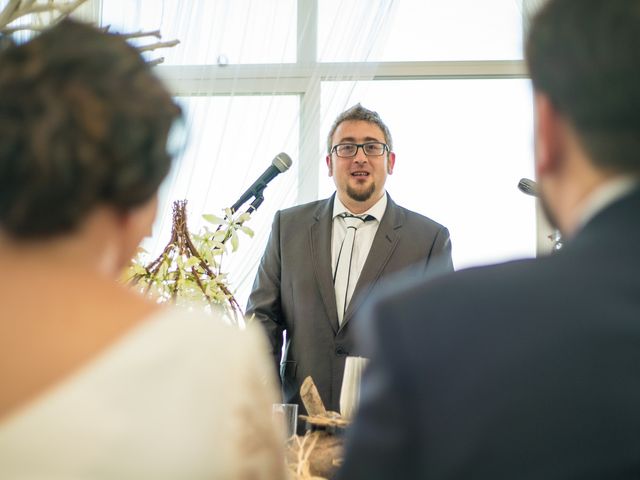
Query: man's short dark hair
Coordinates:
[585,56]
[355,113]
[83,122]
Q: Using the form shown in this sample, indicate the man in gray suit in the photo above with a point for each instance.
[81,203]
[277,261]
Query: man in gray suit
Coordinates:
[324,257]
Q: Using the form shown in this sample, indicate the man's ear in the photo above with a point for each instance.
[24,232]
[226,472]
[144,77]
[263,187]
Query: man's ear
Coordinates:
[391,161]
[329,165]
[549,132]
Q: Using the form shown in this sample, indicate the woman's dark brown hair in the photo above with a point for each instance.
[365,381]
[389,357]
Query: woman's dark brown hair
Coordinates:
[83,122]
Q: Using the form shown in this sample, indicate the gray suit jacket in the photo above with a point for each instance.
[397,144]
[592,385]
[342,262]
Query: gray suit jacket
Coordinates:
[293,290]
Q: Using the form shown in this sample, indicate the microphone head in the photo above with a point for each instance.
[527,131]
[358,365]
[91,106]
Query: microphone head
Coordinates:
[282,162]
[528,186]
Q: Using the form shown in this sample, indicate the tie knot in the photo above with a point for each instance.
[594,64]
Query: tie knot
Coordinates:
[355,221]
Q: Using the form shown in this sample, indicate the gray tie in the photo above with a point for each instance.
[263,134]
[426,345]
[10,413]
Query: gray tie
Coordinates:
[342,278]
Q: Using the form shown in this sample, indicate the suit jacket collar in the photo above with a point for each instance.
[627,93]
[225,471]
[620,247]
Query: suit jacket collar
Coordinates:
[320,240]
[605,195]
[384,243]
[618,221]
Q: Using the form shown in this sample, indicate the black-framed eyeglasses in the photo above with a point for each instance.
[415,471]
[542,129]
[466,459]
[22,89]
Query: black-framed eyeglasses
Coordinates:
[370,149]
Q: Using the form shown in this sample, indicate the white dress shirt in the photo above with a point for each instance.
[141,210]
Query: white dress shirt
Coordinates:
[363,239]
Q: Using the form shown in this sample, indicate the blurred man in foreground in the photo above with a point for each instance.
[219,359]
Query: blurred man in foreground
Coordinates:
[530,369]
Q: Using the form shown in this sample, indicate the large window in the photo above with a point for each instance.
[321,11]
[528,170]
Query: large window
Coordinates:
[461,148]
[212,31]
[230,142]
[257,77]
[414,30]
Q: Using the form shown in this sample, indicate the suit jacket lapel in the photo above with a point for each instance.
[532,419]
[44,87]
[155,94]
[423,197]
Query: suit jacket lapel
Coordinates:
[320,240]
[384,243]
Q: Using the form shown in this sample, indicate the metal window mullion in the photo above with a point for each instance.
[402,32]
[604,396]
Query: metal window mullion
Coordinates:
[306,71]
[297,78]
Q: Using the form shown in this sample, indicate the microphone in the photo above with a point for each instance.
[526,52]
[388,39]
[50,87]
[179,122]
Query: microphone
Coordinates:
[279,164]
[528,186]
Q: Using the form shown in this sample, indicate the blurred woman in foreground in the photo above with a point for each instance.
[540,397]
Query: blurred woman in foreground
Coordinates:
[98,382]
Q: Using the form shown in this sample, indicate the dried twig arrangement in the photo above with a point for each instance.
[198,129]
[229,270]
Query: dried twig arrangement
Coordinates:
[300,466]
[152,46]
[314,456]
[37,15]
[189,269]
[318,415]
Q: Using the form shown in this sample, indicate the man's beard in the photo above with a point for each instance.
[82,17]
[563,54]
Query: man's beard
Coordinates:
[361,195]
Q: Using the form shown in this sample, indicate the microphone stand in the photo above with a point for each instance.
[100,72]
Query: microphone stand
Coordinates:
[258,199]
[256,203]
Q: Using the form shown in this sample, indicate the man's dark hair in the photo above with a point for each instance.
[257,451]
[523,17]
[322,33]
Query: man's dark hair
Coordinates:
[355,113]
[585,56]
[83,122]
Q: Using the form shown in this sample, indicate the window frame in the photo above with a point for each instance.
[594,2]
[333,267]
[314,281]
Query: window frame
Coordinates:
[305,76]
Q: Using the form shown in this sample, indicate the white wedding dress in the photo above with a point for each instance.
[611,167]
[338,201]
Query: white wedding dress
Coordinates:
[179,397]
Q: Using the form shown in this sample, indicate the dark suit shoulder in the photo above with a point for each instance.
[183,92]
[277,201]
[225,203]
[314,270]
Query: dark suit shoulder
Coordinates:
[455,305]
[507,284]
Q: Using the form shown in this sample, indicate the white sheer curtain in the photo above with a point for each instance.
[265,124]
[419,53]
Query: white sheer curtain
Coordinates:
[257,77]
[422,30]
[243,79]
[243,31]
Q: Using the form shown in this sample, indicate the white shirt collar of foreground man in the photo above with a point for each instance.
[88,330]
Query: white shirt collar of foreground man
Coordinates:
[605,195]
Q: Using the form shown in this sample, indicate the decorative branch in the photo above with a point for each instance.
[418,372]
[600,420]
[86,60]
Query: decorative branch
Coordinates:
[64,9]
[16,9]
[141,34]
[189,268]
[8,12]
[155,61]
[155,46]
[11,11]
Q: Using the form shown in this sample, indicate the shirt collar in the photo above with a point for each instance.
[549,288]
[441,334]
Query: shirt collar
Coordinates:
[376,211]
[605,195]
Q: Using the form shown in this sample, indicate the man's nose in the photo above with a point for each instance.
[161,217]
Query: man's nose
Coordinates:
[360,156]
